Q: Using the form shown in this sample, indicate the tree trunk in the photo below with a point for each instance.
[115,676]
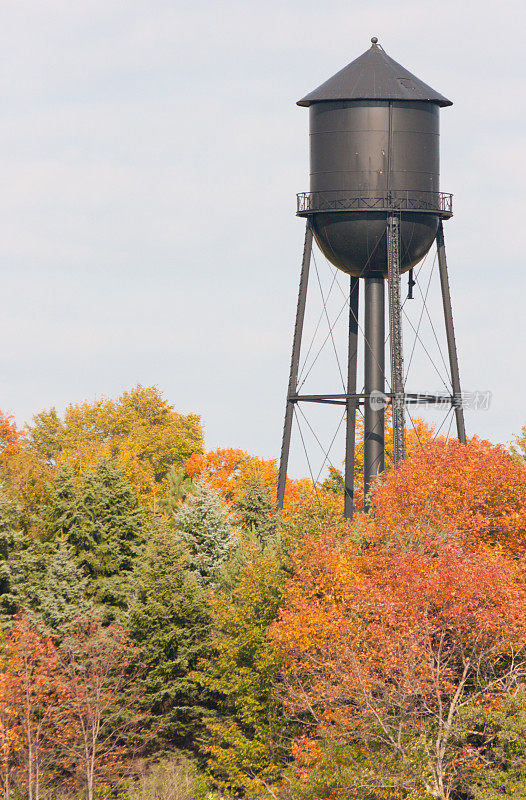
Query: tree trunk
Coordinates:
[29,741]
[37,775]
[90,778]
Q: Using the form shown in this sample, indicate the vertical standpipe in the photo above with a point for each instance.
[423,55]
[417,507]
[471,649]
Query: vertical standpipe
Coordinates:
[351,405]
[374,379]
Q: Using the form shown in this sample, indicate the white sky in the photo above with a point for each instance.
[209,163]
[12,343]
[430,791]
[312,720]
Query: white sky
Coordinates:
[150,152]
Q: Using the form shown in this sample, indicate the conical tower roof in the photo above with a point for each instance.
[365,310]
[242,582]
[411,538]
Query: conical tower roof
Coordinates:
[374,76]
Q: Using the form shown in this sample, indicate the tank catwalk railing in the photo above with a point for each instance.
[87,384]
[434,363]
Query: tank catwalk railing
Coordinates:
[395,200]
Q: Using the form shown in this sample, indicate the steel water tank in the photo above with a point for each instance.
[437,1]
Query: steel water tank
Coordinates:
[374,148]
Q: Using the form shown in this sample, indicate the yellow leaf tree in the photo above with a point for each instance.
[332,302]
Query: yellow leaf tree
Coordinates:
[139,430]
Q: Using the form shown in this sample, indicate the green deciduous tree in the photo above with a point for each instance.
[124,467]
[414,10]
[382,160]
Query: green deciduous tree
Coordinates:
[334,481]
[247,735]
[491,739]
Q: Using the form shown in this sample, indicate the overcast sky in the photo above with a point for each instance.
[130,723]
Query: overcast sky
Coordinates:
[150,151]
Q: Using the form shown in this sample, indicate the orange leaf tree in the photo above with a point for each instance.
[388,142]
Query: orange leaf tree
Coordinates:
[383,649]
[11,437]
[68,710]
[10,729]
[232,471]
[23,475]
[417,434]
[477,491]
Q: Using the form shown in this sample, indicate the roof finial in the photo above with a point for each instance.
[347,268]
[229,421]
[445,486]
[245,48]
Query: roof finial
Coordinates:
[374,40]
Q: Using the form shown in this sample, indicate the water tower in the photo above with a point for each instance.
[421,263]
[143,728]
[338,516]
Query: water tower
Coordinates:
[374,209]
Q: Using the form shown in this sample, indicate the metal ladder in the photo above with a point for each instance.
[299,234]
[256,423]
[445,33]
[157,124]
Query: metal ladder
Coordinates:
[395,331]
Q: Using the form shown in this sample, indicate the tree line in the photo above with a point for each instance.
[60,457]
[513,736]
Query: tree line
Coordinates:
[153,604]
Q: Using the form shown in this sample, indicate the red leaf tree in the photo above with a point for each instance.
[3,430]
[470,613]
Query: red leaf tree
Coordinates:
[69,711]
[385,648]
[10,729]
[99,668]
[32,681]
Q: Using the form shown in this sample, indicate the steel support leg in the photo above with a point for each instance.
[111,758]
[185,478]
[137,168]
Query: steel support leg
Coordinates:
[395,338]
[351,403]
[450,334]
[294,364]
[374,412]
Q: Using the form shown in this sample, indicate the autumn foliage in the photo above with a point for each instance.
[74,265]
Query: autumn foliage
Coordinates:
[417,434]
[298,656]
[231,471]
[388,645]
[476,492]
[11,437]
[395,632]
[139,430]
[65,706]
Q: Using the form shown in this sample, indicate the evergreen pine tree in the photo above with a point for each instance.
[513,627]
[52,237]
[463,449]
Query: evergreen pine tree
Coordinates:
[10,534]
[99,519]
[207,530]
[61,594]
[170,620]
[257,509]
[177,487]
[40,577]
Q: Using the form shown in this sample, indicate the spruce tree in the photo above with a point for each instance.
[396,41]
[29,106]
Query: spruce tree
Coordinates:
[257,509]
[177,486]
[98,517]
[39,577]
[61,594]
[10,536]
[207,531]
[169,619]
